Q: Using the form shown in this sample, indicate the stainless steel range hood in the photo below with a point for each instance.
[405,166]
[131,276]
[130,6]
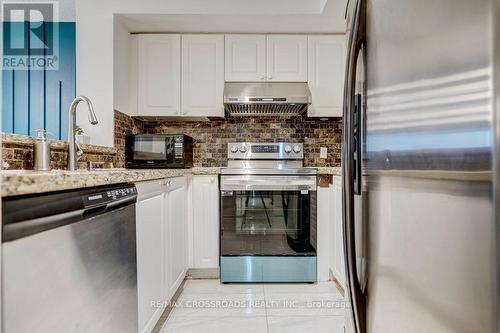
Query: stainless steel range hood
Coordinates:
[266,98]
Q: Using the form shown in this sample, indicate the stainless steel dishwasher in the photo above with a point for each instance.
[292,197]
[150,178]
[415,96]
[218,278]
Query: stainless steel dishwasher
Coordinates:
[69,261]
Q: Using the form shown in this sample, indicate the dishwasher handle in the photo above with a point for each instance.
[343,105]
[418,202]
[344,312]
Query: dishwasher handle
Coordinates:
[107,207]
[26,228]
[26,216]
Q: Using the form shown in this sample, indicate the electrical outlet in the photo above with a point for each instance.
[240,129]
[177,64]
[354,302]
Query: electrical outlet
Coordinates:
[323,152]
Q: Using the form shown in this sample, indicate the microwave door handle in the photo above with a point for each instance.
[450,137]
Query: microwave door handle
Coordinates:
[356,295]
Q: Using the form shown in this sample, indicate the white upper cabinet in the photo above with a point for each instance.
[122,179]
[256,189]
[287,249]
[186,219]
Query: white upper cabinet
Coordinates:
[159,70]
[202,75]
[183,75]
[287,58]
[245,57]
[326,63]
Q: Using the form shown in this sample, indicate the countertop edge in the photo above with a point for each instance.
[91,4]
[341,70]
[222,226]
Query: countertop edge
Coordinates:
[23,183]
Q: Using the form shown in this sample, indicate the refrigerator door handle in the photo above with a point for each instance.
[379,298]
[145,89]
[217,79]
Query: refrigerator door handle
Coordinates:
[357,142]
[351,177]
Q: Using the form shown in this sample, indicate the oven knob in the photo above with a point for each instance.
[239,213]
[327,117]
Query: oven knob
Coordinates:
[234,149]
[296,149]
[288,149]
[243,149]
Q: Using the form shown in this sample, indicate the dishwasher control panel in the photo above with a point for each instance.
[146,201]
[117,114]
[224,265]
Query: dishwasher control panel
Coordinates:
[108,196]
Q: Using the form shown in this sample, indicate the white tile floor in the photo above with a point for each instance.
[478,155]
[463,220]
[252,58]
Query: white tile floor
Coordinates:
[208,306]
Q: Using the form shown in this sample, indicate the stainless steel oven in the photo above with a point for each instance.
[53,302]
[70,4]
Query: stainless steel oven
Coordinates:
[268,221]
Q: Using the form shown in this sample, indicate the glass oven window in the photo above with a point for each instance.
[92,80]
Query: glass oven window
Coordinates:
[150,148]
[267,223]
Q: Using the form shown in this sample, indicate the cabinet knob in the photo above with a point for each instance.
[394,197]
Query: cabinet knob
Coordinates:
[270,77]
[263,78]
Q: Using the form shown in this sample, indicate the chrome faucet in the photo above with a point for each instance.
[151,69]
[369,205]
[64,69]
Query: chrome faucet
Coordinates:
[71,135]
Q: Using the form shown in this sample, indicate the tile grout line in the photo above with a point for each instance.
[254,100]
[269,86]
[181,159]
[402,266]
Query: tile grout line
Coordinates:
[265,307]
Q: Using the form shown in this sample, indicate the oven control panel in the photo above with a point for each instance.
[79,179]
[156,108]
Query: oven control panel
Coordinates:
[265,151]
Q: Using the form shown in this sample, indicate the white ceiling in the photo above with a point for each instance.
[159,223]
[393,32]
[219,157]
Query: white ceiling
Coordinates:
[251,16]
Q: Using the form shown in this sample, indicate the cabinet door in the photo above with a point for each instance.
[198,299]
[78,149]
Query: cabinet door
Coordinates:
[150,260]
[202,75]
[245,57]
[176,234]
[326,63]
[159,77]
[323,233]
[205,196]
[338,268]
[287,58]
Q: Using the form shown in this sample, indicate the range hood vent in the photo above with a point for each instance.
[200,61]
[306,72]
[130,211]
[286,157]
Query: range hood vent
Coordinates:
[266,99]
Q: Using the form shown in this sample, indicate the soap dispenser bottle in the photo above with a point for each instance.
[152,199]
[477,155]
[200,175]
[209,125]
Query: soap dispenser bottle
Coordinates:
[42,151]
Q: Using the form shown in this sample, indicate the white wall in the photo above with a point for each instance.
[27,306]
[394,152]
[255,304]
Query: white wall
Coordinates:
[121,67]
[66,10]
[94,66]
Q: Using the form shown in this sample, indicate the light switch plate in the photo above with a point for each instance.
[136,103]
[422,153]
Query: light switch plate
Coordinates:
[323,152]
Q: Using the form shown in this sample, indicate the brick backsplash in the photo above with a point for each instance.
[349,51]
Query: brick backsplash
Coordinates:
[212,137]
[124,125]
[17,153]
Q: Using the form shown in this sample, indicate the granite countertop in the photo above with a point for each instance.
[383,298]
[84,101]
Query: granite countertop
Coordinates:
[18,182]
[23,140]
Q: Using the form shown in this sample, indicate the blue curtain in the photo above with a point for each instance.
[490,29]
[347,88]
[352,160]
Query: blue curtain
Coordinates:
[33,99]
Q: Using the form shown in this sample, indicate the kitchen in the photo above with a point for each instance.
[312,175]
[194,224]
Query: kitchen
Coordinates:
[225,158]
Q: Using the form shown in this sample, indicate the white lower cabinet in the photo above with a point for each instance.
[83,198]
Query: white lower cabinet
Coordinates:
[330,233]
[175,236]
[161,246]
[205,224]
[337,233]
[150,258]
[323,233]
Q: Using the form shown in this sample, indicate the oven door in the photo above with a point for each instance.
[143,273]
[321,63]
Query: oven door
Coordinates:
[268,228]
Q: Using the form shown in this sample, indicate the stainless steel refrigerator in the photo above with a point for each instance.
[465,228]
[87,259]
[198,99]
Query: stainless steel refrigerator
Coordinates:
[420,165]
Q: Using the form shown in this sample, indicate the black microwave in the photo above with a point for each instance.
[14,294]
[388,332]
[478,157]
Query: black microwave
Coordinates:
[144,151]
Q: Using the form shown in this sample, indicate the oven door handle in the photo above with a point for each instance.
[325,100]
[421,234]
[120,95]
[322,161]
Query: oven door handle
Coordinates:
[283,188]
[268,183]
